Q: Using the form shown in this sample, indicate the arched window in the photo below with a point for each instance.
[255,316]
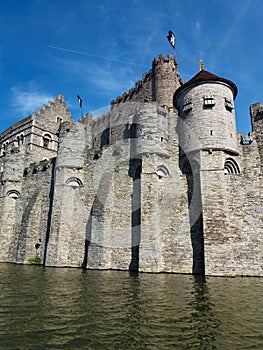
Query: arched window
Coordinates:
[47,141]
[231,167]
[13,194]
[162,171]
[5,145]
[74,182]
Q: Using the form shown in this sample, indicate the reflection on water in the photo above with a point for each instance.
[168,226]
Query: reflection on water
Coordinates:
[75,309]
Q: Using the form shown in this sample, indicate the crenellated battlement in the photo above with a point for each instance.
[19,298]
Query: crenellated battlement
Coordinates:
[53,107]
[256,108]
[56,104]
[136,93]
[164,74]
[246,139]
[165,59]
[149,185]
[256,114]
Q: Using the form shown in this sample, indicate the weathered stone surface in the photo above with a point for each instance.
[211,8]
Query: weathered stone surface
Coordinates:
[147,186]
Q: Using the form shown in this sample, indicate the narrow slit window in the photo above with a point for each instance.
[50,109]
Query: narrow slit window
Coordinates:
[188,106]
[229,104]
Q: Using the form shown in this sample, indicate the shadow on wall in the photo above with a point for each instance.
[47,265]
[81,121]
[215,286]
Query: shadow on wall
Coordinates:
[98,207]
[25,227]
[97,211]
[191,169]
[136,169]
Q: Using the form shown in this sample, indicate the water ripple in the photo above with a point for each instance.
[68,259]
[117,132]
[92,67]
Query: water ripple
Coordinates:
[71,309]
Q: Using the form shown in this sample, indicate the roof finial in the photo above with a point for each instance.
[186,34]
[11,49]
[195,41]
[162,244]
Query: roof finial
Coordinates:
[201,65]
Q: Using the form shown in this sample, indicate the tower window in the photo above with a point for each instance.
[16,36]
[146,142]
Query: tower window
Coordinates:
[209,101]
[188,106]
[229,104]
[46,141]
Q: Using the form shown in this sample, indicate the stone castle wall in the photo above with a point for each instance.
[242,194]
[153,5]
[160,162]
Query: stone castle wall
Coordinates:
[157,85]
[145,187]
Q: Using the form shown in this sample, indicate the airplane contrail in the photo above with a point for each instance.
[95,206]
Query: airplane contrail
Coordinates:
[92,55]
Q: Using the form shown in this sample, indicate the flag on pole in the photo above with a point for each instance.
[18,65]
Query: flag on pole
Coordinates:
[80,101]
[171,38]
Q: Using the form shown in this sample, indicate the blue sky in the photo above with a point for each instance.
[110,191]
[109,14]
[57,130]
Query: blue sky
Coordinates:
[99,49]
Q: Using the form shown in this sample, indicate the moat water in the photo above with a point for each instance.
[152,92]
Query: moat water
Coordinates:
[75,309]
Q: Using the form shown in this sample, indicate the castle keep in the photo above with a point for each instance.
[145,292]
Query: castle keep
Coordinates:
[163,182]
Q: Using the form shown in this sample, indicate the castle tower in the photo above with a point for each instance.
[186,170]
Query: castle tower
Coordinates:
[151,130]
[207,115]
[165,79]
[32,140]
[209,145]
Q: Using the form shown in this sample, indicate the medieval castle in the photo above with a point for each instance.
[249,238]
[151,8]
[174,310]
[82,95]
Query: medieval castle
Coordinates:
[163,182]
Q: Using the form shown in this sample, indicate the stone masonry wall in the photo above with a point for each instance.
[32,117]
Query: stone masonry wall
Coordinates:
[256,113]
[232,213]
[101,222]
[159,84]
[134,189]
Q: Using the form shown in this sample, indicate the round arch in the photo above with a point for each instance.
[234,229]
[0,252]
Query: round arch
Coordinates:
[231,167]
[74,182]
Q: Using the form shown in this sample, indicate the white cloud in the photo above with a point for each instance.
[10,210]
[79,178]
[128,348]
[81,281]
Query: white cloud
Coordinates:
[27,99]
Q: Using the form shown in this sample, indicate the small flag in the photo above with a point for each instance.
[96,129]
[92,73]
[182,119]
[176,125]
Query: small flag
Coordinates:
[201,65]
[80,101]
[171,38]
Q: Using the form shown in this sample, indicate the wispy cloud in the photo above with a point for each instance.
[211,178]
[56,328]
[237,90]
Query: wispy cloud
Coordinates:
[109,79]
[27,99]
[78,52]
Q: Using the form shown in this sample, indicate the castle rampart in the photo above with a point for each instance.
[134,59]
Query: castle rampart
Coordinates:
[158,84]
[162,182]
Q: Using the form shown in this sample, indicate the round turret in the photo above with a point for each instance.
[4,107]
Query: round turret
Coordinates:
[165,79]
[207,116]
[151,135]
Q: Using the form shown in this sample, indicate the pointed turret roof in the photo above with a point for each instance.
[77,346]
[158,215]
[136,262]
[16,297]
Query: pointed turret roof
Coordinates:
[202,77]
